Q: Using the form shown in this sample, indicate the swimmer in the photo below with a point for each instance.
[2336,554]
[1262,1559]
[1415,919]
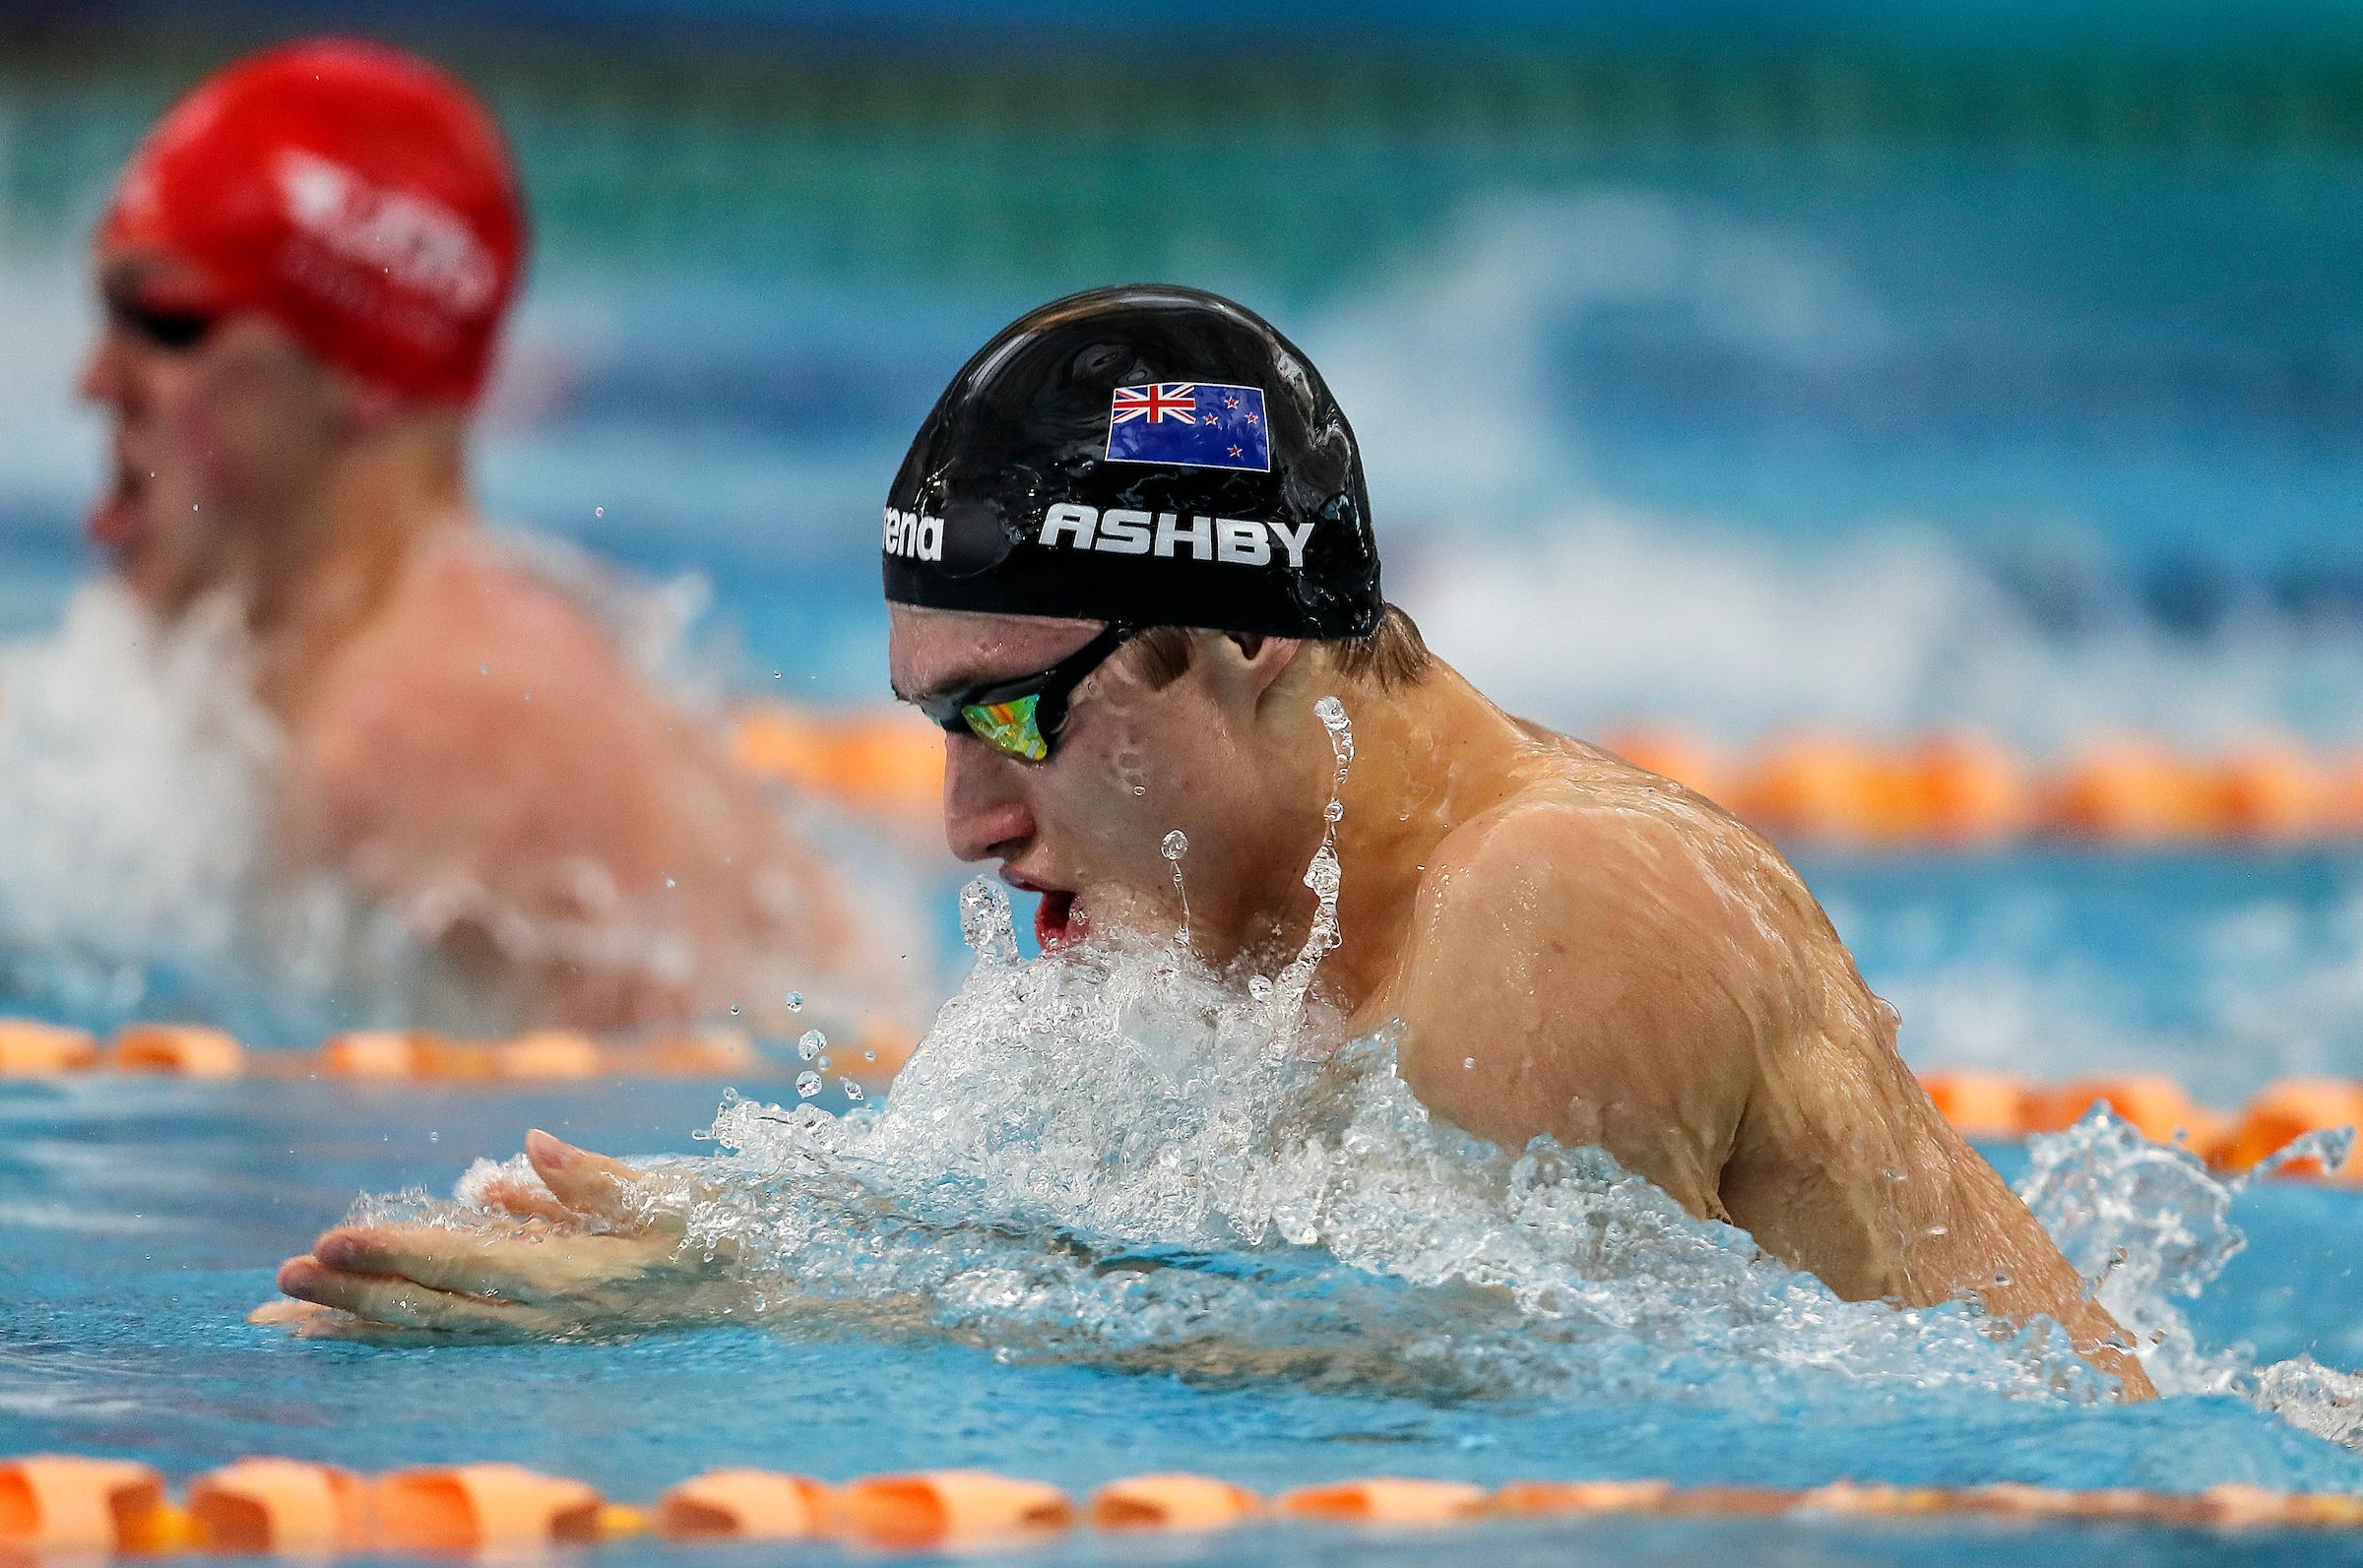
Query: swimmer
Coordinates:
[305,270]
[1129,552]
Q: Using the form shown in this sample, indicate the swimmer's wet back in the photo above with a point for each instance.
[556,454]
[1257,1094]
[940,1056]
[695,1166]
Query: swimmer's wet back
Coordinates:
[1151,454]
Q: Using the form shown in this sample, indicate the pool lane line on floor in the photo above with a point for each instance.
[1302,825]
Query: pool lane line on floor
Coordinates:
[83,1508]
[1992,1105]
[1947,790]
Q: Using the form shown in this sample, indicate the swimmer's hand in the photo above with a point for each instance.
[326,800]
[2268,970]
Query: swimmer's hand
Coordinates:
[600,1251]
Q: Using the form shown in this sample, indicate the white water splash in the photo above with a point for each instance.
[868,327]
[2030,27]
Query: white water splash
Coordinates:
[1175,845]
[1605,611]
[1112,1158]
[1287,990]
[2150,1225]
[2312,1399]
[138,872]
[133,769]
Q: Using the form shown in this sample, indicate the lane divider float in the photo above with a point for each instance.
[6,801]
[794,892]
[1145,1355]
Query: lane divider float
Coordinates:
[68,1507]
[2004,1106]
[1949,788]
[32,1048]
[1979,1104]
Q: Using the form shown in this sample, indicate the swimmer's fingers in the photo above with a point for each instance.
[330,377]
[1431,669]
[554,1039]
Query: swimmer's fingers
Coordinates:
[309,1320]
[402,1304]
[281,1312]
[593,1185]
[536,1270]
[525,1200]
[512,1268]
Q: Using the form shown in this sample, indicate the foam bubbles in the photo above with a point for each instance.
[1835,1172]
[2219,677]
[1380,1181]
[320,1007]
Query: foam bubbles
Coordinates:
[1112,1158]
[139,873]
[120,893]
[2151,1226]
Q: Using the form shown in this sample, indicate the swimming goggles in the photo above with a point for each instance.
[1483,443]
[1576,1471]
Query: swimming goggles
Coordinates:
[1021,717]
[176,329]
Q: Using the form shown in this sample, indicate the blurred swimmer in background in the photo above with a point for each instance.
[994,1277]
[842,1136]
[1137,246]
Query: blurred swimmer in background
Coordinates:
[1130,568]
[305,270]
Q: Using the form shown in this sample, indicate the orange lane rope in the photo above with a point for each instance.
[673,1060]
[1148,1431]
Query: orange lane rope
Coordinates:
[68,1506]
[29,1048]
[1956,789]
[1980,1105]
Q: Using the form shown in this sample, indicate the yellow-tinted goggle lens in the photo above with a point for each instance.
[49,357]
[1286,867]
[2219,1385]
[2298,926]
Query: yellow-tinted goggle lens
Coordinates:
[1008,727]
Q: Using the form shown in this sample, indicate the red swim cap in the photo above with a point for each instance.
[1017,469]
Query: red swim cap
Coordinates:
[356,194]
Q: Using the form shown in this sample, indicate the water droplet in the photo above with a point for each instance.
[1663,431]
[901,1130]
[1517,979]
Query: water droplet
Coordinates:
[733,1009]
[1468,1061]
[807,1083]
[1140,790]
[984,922]
[853,1091]
[809,1047]
[1336,810]
[671,883]
[796,1001]
[599,511]
[1259,987]
[434,1137]
[869,1056]
[822,1063]
[1175,845]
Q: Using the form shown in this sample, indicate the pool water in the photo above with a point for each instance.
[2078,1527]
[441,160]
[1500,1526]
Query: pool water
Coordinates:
[145,1217]
[1125,1232]
[1075,1320]
[1745,442]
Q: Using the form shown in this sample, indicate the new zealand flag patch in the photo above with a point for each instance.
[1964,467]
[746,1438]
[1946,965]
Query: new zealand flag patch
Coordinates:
[1194,424]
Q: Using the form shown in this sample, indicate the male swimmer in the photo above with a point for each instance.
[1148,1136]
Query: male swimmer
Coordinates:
[305,271]
[1128,552]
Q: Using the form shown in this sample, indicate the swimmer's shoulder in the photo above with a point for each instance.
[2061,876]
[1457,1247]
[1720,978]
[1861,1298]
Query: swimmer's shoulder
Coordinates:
[475,686]
[1589,861]
[1573,971]
[476,649]
[1617,809]
[1587,814]
[1558,851]
[471,606]
[1653,840]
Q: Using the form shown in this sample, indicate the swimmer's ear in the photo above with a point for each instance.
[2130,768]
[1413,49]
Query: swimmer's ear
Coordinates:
[1246,663]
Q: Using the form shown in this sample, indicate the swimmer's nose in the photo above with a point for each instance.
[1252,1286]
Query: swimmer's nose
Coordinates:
[983,814]
[104,377]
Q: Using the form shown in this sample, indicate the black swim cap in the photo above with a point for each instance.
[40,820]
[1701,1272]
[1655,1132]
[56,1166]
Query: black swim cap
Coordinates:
[1152,455]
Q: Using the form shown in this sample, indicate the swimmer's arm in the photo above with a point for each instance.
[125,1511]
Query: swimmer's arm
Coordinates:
[1549,987]
[1984,1242]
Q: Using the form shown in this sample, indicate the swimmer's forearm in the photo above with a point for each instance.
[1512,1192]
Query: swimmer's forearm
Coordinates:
[2057,1293]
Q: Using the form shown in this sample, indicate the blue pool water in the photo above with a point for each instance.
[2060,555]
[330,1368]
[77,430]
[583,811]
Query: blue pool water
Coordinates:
[144,1217]
[1746,441]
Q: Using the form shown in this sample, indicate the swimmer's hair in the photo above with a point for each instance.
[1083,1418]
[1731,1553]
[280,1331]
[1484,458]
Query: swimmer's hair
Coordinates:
[1394,653]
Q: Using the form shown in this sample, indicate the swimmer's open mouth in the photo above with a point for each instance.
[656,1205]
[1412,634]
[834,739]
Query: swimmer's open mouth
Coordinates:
[114,519]
[1058,922]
